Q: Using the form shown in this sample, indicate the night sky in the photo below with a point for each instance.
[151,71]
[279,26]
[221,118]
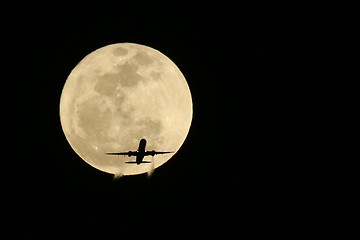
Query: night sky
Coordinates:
[268,151]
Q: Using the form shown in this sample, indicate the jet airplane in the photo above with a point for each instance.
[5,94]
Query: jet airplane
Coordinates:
[140,153]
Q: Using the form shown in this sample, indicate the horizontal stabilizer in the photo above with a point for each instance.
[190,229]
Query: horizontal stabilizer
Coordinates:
[141,162]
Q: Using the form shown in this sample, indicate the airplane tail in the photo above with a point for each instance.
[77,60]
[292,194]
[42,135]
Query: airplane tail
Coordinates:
[141,162]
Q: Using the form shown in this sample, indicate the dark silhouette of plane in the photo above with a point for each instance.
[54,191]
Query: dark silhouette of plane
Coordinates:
[140,153]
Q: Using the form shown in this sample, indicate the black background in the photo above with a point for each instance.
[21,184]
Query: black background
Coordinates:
[268,152]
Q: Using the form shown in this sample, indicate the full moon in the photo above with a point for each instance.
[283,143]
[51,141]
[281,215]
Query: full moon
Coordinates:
[122,93]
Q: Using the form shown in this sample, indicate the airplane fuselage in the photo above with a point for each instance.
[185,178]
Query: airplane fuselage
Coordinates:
[141,151]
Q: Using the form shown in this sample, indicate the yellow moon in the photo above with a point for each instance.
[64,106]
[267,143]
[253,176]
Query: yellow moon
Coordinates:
[118,95]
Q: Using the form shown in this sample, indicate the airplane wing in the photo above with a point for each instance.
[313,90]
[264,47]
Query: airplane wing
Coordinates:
[152,153]
[130,153]
[162,152]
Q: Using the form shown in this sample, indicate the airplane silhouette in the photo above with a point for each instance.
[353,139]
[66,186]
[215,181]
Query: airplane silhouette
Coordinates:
[140,153]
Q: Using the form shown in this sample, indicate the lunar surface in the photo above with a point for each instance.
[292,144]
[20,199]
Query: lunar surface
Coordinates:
[118,95]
